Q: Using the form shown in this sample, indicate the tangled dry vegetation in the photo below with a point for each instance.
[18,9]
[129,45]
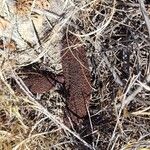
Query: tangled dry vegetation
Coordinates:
[116,35]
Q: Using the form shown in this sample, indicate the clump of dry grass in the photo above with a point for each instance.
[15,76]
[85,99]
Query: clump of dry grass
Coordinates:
[116,34]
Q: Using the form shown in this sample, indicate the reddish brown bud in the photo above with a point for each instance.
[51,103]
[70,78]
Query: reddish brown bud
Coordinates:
[77,80]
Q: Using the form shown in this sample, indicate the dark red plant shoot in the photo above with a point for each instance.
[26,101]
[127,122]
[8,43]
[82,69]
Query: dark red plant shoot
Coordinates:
[77,80]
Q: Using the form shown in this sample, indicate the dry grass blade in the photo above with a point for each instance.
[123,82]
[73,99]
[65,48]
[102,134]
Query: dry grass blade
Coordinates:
[142,112]
[58,123]
[132,96]
[102,28]
[115,39]
[145,15]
